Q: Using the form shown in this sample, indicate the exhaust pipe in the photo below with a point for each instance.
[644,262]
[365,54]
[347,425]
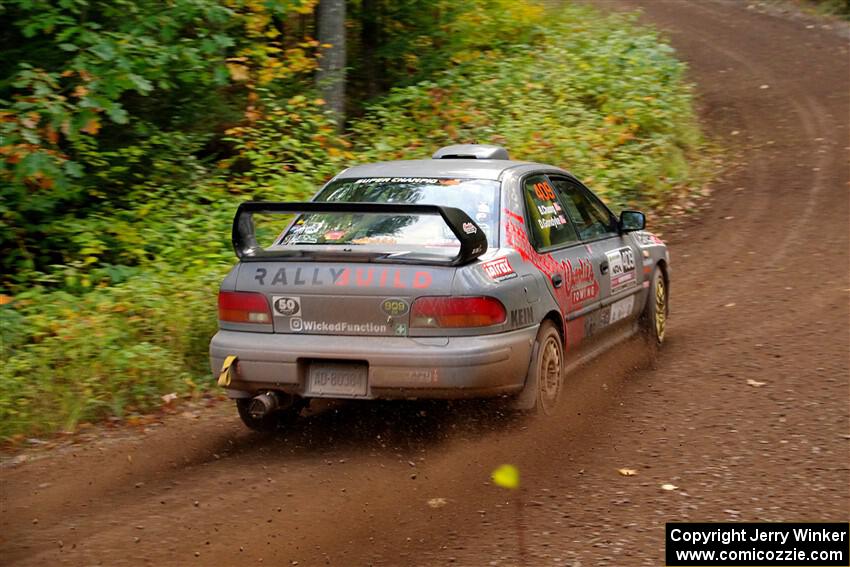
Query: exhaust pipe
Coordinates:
[263,404]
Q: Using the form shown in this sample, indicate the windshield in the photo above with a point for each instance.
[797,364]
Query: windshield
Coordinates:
[478,198]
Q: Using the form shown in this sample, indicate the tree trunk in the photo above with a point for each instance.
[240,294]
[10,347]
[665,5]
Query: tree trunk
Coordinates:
[331,76]
[369,42]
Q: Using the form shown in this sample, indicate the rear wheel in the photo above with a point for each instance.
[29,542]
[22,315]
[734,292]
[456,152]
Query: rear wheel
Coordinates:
[655,313]
[545,378]
[288,410]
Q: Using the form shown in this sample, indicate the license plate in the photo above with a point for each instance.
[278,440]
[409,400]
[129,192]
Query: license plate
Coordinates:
[343,379]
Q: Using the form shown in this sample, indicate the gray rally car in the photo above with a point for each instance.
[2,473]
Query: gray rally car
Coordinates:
[466,275]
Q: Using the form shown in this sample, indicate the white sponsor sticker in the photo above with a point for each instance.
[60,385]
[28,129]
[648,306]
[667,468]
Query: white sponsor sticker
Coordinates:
[549,222]
[621,267]
[499,270]
[622,309]
[297,325]
[314,228]
[300,237]
[646,238]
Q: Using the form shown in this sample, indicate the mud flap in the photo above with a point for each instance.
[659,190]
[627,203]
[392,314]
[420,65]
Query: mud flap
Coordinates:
[225,377]
[526,400]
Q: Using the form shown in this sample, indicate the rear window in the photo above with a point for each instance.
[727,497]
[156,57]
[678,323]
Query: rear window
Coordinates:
[549,225]
[478,198]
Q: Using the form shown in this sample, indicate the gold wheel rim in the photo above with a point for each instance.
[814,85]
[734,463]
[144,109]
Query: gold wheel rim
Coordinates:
[660,309]
[550,375]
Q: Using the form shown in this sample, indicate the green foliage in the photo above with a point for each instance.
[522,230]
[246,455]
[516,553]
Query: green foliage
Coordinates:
[130,134]
[598,96]
[288,152]
[102,99]
[70,357]
[84,62]
[839,8]
[409,41]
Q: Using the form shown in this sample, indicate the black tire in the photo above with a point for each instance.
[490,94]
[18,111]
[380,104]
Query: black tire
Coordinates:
[656,311]
[545,379]
[286,415]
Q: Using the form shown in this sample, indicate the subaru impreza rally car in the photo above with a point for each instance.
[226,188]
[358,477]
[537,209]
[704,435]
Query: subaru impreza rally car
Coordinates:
[466,275]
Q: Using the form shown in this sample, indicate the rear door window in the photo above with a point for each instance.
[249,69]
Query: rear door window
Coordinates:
[548,224]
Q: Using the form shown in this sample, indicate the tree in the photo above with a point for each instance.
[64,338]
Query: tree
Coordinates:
[369,42]
[331,76]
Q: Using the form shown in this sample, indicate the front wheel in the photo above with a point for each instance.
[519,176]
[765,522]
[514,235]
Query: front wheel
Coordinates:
[545,378]
[654,319]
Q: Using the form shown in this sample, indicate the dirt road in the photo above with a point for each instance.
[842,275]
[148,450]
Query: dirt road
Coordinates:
[746,413]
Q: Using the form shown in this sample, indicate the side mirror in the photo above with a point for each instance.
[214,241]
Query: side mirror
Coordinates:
[631,221]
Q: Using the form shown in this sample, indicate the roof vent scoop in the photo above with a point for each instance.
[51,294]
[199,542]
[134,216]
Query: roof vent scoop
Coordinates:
[471,151]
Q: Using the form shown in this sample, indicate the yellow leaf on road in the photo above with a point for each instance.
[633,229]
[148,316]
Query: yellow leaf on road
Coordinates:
[506,476]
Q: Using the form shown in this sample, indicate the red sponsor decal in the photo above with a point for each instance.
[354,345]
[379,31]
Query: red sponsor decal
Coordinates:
[364,281]
[499,269]
[580,275]
[397,280]
[513,216]
[365,277]
[584,293]
[421,280]
[346,277]
[580,280]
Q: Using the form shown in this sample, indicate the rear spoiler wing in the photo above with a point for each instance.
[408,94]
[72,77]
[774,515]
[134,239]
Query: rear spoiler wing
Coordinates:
[473,241]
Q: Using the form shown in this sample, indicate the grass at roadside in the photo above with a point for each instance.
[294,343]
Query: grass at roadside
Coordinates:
[595,94]
[840,8]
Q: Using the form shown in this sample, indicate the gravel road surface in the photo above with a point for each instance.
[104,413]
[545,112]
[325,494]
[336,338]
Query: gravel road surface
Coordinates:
[746,412]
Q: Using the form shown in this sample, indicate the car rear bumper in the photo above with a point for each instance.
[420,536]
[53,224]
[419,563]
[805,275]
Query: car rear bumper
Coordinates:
[398,367]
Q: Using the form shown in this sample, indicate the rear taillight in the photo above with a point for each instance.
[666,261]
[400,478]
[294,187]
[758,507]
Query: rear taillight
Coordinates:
[243,307]
[456,312]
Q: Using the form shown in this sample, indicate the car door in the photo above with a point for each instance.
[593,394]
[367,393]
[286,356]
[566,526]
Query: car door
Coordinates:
[571,269]
[617,256]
